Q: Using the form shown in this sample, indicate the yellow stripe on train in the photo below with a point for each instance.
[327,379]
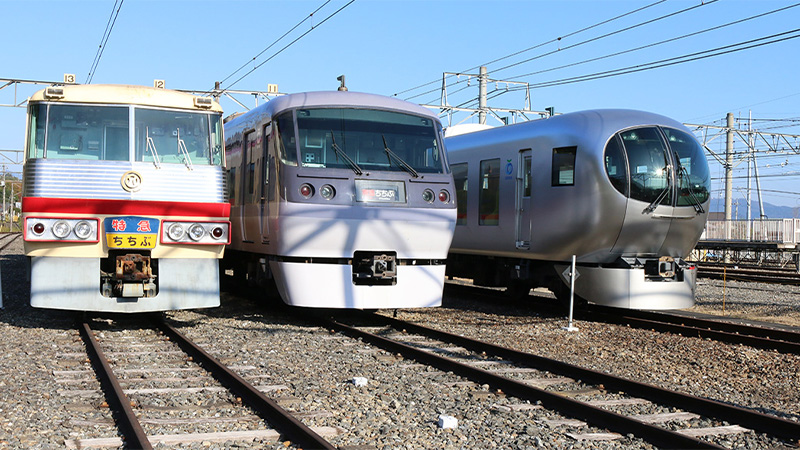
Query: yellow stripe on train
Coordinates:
[115,240]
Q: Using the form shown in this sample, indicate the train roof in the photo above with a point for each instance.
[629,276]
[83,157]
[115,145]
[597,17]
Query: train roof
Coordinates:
[335,99]
[590,124]
[123,94]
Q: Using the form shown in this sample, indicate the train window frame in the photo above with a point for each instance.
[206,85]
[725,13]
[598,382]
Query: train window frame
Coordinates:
[287,138]
[644,161]
[461,194]
[200,151]
[685,177]
[488,195]
[77,137]
[563,166]
[623,164]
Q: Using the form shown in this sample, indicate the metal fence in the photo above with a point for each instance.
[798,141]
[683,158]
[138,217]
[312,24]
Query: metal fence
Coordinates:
[782,231]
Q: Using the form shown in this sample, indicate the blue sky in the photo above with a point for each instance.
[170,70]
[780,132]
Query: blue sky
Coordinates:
[388,46]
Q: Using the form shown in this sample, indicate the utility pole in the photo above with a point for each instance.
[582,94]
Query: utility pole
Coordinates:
[482,96]
[4,195]
[728,176]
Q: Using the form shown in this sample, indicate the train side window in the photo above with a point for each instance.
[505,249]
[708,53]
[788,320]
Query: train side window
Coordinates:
[38,128]
[647,165]
[460,177]
[232,185]
[616,169]
[563,173]
[526,181]
[489,198]
[287,144]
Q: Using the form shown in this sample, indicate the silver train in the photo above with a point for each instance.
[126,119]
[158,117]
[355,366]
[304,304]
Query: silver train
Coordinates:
[624,191]
[342,199]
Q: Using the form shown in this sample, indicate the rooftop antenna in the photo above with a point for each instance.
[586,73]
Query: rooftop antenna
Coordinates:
[342,87]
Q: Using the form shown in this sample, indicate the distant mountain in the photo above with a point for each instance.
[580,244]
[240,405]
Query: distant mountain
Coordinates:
[740,206]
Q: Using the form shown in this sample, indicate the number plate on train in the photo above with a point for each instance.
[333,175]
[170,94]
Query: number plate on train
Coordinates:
[380,191]
[131,232]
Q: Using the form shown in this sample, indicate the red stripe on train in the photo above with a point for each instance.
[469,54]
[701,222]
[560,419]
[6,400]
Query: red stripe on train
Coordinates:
[123,207]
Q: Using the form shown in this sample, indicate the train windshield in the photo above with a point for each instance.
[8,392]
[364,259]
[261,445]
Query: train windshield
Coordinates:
[91,132]
[363,140]
[692,168]
[649,156]
[177,137]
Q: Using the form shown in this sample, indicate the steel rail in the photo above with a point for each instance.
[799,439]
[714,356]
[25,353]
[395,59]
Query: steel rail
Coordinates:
[766,338]
[764,423]
[298,432]
[133,435]
[657,436]
[14,237]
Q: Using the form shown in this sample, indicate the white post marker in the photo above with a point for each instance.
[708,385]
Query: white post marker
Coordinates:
[573,273]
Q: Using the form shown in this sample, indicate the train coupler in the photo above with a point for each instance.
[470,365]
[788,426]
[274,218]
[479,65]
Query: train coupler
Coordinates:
[375,268]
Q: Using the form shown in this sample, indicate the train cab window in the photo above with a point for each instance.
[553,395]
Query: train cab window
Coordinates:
[368,140]
[616,169]
[647,165]
[489,197]
[694,179]
[80,132]
[175,137]
[460,178]
[287,143]
[563,173]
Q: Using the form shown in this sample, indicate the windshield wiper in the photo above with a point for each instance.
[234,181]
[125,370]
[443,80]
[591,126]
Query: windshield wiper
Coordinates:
[339,152]
[685,173]
[655,203]
[403,165]
[151,147]
[183,151]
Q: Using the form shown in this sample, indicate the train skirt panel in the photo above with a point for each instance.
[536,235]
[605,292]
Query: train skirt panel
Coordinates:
[632,287]
[74,284]
[333,286]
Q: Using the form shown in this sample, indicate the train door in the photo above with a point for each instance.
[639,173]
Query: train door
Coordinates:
[251,208]
[523,200]
[265,187]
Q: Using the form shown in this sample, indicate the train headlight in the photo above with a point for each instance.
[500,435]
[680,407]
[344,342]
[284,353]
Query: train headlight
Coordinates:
[444,196]
[38,228]
[427,195]
[306,190]
[327,192]
[61,229]
[83,229]
[196,232]
[176,232]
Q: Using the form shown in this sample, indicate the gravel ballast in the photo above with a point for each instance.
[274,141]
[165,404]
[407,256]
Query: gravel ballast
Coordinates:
[402,402]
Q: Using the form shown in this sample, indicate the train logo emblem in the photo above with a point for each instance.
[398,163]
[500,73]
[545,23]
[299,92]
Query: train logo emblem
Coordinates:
[131,181]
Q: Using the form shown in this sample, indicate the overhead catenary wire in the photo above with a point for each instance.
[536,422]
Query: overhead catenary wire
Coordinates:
[313,27]
[665,41]
[309,17]
[718,51]
[112,19]
[557,39]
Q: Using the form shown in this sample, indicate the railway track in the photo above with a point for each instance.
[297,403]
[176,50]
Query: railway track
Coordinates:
[764,337]
[772,276]
[783,340]
[583,395]
[181,362]
[7,238]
